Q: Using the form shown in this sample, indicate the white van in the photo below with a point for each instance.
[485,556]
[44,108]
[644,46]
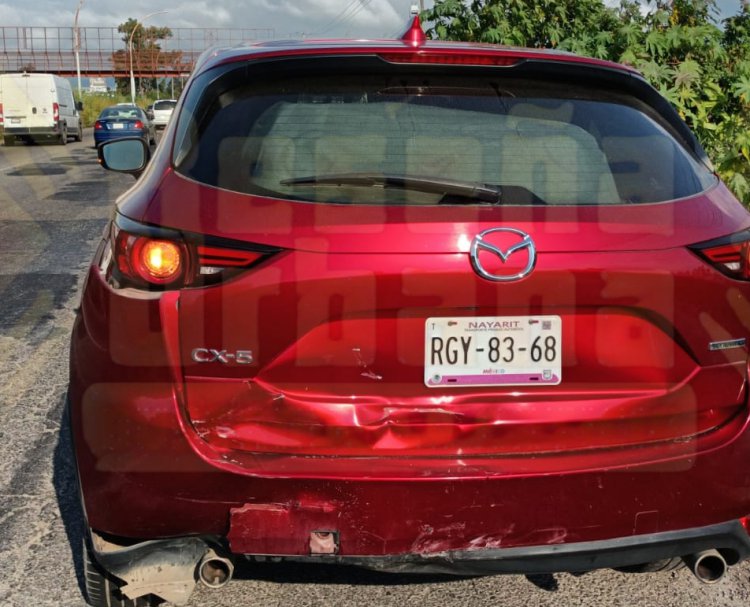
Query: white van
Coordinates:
[38,105]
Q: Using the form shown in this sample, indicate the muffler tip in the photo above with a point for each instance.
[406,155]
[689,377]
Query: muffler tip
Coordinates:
[708,566]
[215,571]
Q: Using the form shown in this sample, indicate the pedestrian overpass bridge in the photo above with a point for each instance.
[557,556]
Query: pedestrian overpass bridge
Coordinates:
[103,53]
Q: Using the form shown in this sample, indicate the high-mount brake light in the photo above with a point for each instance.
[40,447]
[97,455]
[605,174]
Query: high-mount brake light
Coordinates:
[730,255]
[449,59]
[161,259]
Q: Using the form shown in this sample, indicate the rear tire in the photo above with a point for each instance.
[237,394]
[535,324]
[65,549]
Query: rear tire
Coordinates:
[9,141]
[64,135]
[79,133]
[103,589]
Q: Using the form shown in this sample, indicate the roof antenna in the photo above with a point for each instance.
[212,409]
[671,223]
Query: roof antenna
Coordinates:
[414,35]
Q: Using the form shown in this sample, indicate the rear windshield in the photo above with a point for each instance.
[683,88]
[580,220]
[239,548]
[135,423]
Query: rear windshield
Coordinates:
[433,138]
[119,112]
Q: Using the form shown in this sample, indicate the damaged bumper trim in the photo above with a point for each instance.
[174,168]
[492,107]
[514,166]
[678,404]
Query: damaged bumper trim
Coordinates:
[730,539]
[168,568]
[165,568]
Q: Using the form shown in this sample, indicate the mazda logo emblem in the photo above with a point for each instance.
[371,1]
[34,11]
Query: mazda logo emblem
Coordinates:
[480,243]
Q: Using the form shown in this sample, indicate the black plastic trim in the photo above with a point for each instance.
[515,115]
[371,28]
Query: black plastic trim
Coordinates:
[153,231]
[45,131]
[730,539]
[742,236]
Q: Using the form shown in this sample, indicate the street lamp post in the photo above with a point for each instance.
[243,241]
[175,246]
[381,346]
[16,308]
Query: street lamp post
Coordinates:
[130,48]
[77,46]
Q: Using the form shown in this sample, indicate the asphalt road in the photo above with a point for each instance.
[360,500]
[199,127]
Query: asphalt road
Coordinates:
[54,202]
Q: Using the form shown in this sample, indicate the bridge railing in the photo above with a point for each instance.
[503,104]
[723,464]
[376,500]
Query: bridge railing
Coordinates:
[103,52]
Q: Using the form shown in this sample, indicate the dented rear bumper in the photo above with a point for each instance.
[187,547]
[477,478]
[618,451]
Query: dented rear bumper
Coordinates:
[731,539]
[147,473]
[129,485]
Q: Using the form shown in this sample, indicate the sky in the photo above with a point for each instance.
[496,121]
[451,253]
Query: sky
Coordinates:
[288,18]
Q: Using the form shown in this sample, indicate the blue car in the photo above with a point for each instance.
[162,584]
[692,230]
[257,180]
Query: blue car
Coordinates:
[123,120]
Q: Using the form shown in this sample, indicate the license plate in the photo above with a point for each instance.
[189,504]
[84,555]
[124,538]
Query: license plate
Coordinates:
[118,125]
[493,351]
[15,121]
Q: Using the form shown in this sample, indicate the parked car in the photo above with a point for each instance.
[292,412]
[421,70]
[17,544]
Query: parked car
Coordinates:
[415,306]
[123,120]
[162,110]
[38,106]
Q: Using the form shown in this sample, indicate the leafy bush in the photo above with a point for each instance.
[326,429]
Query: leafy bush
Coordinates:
[702,68]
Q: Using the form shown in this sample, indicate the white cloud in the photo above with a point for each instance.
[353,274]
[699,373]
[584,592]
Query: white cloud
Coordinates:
[336,18]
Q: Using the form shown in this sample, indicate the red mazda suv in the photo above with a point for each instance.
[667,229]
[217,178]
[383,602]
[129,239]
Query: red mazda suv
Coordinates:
[413,305]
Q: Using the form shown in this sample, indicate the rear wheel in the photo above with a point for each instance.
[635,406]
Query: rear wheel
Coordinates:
[79,133]
[103,589]
[64,135]
[9,141]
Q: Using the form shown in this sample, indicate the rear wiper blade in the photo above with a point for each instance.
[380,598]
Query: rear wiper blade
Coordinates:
[433,185]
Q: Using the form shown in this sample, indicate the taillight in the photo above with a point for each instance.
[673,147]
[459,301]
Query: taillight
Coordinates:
[745,521]
[150,260]
[55,112]
[160,259]
[214,259]
[138,124]
[729,255]
[98,126]
[1,113]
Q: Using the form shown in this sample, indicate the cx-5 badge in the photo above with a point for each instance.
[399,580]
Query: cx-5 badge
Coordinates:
[727,345]
[482,242]
[209,355]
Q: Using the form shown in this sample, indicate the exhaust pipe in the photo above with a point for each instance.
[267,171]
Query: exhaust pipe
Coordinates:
[708,566]
[215,571]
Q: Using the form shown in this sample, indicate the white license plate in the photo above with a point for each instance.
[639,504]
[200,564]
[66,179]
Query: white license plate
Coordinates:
[493,351]
[118,125]
[15,121]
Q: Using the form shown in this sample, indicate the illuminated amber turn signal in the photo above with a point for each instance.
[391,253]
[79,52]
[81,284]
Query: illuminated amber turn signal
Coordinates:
[161,259]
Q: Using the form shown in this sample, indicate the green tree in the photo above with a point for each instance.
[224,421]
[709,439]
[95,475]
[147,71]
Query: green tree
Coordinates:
[147,53]
[732,141]
[703,69]
[532,23]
